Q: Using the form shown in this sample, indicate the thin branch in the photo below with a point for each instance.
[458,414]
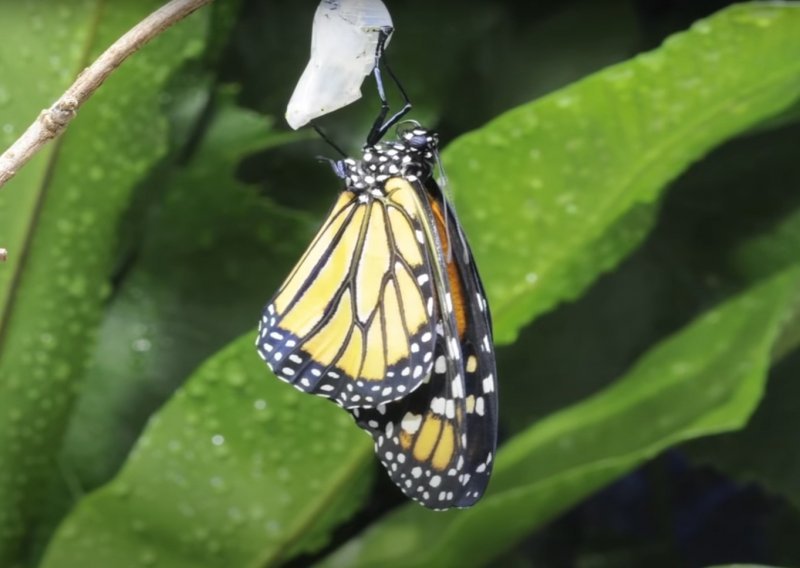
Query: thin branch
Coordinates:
[52,122]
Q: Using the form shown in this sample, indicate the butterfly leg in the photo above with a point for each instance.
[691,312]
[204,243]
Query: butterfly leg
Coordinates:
[381,126]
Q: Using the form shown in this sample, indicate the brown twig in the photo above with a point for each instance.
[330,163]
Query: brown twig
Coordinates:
[52,122]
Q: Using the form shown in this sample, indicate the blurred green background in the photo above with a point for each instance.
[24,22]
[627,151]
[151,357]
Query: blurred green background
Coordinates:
[627,172]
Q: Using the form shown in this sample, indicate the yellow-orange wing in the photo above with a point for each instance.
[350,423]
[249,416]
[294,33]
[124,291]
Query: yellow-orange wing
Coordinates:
[353,322]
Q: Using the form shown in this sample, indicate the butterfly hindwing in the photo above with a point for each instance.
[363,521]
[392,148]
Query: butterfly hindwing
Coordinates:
[477,352]
[473,347]
[419,439]
[438,443]
[353,321]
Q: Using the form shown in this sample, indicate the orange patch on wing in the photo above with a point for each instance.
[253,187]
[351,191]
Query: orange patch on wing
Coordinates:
[397,347]
[404,238]
[413,304]
[373,264]
[456,288]
[427,438]
[402,193]
[374,365]
[445,449]
[325,344]
[313,255]
[314,301]
[350,361]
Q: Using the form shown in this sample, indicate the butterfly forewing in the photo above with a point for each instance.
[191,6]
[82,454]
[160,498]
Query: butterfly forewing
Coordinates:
[353,322]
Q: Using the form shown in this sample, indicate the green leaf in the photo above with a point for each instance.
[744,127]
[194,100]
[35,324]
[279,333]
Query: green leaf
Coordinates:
[706,379]
[755,454]
[138,518]
[217,236]
[226,247]
[239,469]
[772,251]
[689,262]
[59,219]
[548,186]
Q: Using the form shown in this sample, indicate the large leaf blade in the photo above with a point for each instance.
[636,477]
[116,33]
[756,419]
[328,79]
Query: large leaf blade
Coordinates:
[22,96]
[149,339]
[238,469]
[595,476]
[65,214]
[563,171]
[706,379]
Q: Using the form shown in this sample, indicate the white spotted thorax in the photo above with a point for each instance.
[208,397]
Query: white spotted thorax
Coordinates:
[410,157]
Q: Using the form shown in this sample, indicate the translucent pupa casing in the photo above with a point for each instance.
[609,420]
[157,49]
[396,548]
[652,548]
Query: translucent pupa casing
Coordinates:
[344,40]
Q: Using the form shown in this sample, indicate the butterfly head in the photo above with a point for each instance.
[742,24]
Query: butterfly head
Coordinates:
[420,141]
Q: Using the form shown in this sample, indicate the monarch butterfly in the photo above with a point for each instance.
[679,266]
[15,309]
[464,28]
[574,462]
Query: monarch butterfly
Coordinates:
[385,314]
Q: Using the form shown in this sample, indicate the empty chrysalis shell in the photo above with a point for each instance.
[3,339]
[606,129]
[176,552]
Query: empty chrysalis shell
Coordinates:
[344,39]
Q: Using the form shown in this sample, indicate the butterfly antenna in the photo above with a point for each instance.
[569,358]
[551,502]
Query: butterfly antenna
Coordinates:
[327,139]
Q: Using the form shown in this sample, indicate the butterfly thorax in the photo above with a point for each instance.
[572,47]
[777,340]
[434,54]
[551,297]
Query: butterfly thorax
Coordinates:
[411,157]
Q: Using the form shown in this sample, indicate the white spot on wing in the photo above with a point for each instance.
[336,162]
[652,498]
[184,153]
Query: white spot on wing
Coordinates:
[437,405]
[458,387]
[411,422]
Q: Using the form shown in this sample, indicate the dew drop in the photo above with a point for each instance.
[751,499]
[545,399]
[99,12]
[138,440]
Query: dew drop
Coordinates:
[141,345]
[148,558]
